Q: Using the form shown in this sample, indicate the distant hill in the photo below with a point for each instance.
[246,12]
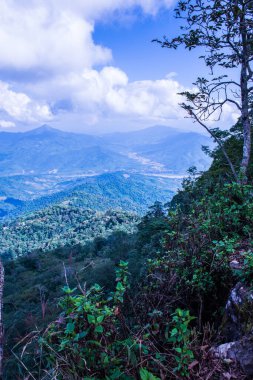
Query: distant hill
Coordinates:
[132,192]
[61,225]
[162,148]
[46,150]
[184,146]
[141,137]
[129,170]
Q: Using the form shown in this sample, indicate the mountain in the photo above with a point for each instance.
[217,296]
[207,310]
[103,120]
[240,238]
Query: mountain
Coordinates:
[163,149]
[184,146]
[46,150]
[129,170]
[132,192]
[140,137]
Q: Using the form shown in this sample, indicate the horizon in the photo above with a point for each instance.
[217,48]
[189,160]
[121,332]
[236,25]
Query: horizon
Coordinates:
[48,127]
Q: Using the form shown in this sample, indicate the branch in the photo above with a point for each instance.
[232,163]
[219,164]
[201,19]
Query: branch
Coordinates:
[218,141]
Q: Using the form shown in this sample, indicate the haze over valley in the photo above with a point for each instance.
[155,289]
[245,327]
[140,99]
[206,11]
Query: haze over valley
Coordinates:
[130,170]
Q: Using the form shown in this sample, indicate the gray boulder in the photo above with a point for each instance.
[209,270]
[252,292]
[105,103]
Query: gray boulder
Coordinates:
[238,329]
[240,352]
[238,319]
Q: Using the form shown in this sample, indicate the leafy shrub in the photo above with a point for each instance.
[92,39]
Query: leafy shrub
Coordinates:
[180,338]
[86,335]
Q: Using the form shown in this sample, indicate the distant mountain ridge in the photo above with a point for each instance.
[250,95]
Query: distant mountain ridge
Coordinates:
[129,192]
[46,150]
[129,170]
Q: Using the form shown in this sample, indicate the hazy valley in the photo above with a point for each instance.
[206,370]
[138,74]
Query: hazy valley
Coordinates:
[128,170]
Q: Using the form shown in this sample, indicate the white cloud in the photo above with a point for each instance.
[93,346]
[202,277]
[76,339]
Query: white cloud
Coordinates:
[20,107]
[54,37]
[109,91]
[7,124]
[57,34]
[37,38]
[149,99]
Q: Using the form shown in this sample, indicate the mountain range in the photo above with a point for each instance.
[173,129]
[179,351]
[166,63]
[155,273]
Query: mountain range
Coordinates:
[130,192]
[46,150]
[129,170]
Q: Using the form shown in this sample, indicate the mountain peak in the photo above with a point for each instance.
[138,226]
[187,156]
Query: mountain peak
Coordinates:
[43,129]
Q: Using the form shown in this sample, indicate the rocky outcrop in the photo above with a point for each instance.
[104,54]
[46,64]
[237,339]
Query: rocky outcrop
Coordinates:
[240,352]
[238,329]
[238,313]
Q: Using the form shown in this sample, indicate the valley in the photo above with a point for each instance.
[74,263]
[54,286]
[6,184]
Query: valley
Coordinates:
[128,170]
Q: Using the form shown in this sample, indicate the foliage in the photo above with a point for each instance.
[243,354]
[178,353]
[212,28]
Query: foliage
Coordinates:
[61,225]
[146,375]
[92,339]
[86,333]
[31,299]
[179,267]
[180,337]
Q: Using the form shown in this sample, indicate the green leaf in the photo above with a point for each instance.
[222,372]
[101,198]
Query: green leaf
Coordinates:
[120,287]
[99,329]
[100,319]
[70,328]
[83,334]
[174,332]
[91,319]
[67,290]
[146,375]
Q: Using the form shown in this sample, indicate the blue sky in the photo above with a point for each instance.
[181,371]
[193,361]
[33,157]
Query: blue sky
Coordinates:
[91,67]
[134,51]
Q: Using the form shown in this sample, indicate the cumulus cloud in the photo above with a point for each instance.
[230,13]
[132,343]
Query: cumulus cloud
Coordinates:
[151,99]
[54,38]
[7,124]
[109,91]
[20,107]
[57,34]
[45,40]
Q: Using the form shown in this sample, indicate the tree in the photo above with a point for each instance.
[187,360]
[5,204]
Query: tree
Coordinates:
[224,29]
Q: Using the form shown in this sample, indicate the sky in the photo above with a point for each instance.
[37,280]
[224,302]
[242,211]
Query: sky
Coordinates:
[91,66]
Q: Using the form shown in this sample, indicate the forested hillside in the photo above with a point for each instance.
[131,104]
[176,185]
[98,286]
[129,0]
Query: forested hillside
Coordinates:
[174,275]
[34,281]
[59,226]
[128,191]
[130,170]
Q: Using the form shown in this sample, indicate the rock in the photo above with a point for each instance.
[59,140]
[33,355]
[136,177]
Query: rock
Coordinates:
[240,352]
[238,329]
[234,264]
[223,351]
[238,313]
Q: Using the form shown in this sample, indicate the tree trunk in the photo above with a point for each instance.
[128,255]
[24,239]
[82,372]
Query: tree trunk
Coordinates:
[1,318]
[245,116]
[246,149]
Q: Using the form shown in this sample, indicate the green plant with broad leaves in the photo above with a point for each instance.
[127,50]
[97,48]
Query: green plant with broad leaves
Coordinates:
[180,338]
[85,338]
